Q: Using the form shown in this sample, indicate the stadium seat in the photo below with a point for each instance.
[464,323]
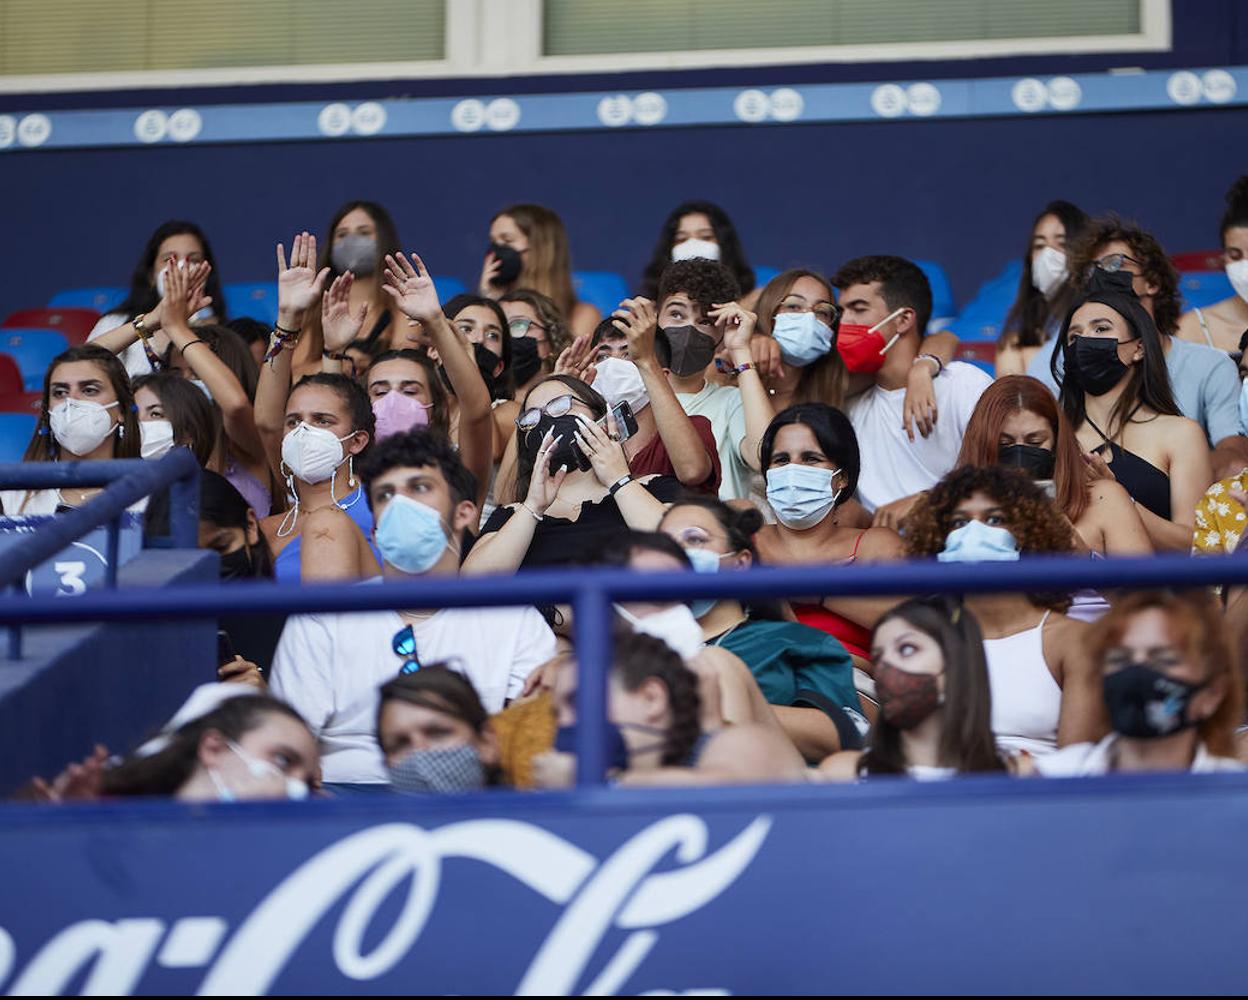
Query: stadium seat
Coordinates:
[762,275]
[75,324]
[32,349]
[603,289]
[102,299]
[943,309]
[982,354]
[1198,260]
[984,315]
[447,287]
[19,400]
[257,299]
[15,432]
[1204,288]
[10,376]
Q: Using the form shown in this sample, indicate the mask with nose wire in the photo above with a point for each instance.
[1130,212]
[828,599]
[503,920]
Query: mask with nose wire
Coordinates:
[979,542]
[295,790]
[313,455]
[676,626]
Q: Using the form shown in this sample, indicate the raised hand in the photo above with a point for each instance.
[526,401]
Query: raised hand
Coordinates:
[77,782]
[603,450]
[638,321]
[339,325]
[184,287]
[409,285]
[577,360]
[300,284]
[489,271]
[737,323]
[543,487]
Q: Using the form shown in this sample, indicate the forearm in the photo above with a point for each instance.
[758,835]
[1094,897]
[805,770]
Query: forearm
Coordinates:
[1230,457]
[461,370]
[119,338]
[757,407]
[810,730]
[504,550]
[272,390]
[200,358]
[943,345]
[1166,536]
[641,511]
[685,449]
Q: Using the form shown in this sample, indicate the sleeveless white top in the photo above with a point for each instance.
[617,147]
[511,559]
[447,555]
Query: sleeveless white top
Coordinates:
[1026,701]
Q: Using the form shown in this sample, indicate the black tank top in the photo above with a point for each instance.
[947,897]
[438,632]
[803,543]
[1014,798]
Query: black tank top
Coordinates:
[1147,484]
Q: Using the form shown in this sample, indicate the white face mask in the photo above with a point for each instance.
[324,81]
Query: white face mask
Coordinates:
[81,425]
[695,248]
[676,626]
[313,453]
[619,381]
[1237,274]
[1048,270]
[157,438]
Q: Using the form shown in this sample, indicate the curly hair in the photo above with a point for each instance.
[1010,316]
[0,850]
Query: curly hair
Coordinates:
[704,281]
[1145,248]
[636,659]
[1031,517]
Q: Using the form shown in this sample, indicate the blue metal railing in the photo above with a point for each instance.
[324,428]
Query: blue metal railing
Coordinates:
[592,591]
[125,482]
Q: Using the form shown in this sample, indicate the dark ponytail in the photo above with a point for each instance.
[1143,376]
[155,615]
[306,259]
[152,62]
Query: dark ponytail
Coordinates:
[1236,213]
[638,658]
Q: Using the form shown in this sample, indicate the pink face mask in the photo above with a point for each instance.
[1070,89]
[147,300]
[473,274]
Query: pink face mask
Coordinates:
[397,413]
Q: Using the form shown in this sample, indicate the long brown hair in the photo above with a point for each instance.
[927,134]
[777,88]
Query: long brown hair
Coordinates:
[548,262]
[966,739]
[1022,394]
[43,445]
[821,381]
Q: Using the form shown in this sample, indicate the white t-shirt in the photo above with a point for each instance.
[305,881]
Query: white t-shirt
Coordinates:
[1085,759]
[893,466]
[723,407]
[330,666]
[38,502]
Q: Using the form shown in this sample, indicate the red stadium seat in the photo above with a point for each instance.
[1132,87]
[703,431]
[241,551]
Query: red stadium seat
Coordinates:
[10,376]
[1198,260]
[20,402]
[982,354]
[73,324]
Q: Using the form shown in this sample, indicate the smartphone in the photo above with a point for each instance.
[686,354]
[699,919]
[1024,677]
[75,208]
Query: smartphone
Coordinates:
[625,420]
[1049,487]
[225,648]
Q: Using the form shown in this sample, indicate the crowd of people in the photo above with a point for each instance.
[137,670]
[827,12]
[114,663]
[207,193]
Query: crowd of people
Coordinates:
[375,433]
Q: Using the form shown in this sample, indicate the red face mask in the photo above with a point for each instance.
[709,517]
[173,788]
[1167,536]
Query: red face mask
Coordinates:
[863,349]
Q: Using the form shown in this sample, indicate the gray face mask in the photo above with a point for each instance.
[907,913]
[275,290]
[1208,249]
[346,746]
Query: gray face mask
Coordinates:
[438,772]
[355,253]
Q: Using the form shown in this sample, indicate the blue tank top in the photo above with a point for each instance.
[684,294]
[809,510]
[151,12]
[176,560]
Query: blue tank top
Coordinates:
[286,567]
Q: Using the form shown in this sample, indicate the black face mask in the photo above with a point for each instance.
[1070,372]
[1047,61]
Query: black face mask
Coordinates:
[565,453]
[237,565]
[1036,462]
[1096,361]
[510,264]
[486,360]
[1145,704]
[684,350]
[525,362]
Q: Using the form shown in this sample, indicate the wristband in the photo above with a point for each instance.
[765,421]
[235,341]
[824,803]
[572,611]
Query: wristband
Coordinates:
[741,369]
[281,329]
[940,365]
[192,343]
[619,484]
[145,338]
[334,357]
[536,516]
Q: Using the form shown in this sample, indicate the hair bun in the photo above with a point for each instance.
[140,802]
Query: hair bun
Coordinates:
[748,520]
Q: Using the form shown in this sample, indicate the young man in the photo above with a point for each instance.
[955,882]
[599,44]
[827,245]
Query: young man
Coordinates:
[886,303]
[329,666]
[700,319]
[1205,383]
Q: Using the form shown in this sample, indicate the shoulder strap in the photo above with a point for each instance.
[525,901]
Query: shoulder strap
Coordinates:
[1204,326]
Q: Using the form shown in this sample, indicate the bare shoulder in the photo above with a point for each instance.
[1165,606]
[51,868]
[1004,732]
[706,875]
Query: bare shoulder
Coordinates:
[1189,327]
[1182,433]
[751,752]
[839,767]
[881,543]
[1108,497]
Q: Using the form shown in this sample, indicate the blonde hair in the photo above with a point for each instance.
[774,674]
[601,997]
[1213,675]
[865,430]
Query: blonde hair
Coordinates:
[548,263]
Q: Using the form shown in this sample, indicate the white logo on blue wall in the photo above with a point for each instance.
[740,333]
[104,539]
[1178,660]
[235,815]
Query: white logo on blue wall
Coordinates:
[1029,95]
[751,106]
[334,120]
[1064,93]
[185,124]
[786,104]
[502,114]
[8,130]
[649,108]
[615,110]
[368,118]
[468,116]
[923,99]
[151,126]
[1183,87]
[1218,86]
[34,130]
[889,101]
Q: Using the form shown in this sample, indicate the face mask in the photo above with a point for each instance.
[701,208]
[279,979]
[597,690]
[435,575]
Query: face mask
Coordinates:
[704,561]
[803,337]
[684,350]
[201,386]
[1048,270]
[1237,274]
[410,535]
[1036,462]
[565,453]
[398,413]
[510,264]
[438,772]
[617,749]
[236,565]
[312,453]
[620,382]
[863,349]
[800,495]
[157,438]
[296,790]
[978,542]
[690,249]
[906,698]
[354,253]
[81,425]
[1096,361]
[1243,406]
[676,626]
[525,361]
[1144,703]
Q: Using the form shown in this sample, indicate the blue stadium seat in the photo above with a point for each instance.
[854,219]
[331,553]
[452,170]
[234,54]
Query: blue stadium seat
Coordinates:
[943,309]
[102,299]
[15,432]
[32,349]
[1204,288]
[257,299]
[603,289]
[762,275]
[447,287]
[984,315]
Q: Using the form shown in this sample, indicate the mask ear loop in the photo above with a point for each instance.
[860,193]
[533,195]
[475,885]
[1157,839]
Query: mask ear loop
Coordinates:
[896,336]
[292,515]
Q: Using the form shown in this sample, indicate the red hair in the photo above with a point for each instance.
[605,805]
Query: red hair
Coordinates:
[1023,394]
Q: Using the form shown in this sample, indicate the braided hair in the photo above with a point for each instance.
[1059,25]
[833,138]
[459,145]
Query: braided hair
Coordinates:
[640,657]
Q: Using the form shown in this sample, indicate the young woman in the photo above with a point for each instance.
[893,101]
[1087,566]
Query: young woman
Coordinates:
[1017,424]
[1044,294]
[573,489]
[810,456]
[1172,689]
[529,249]
[435,733]
[87,413]
[1222,324]
[806,675]
[797,309]
[1043,691]
[186,243]
[539,334]
[173,412]
[699,229]
[1116,394]
[935,700]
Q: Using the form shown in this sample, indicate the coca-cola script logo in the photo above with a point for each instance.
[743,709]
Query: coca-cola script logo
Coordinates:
[622,892]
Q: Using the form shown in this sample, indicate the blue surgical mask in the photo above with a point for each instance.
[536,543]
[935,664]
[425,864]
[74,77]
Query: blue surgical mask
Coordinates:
[704,561]
[803,337]
[1243,406]
[801,495]
[410,535]
[977,542]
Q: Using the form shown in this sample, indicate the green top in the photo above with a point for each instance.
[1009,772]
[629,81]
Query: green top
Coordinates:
[787,656]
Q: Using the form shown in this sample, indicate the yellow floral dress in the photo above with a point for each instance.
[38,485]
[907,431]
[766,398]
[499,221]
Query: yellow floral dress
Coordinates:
[1220,519]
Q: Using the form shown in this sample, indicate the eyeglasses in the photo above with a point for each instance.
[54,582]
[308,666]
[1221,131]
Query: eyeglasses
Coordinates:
[557,407]
[829,315]
[1112,262]
[404,645]
[521,325]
